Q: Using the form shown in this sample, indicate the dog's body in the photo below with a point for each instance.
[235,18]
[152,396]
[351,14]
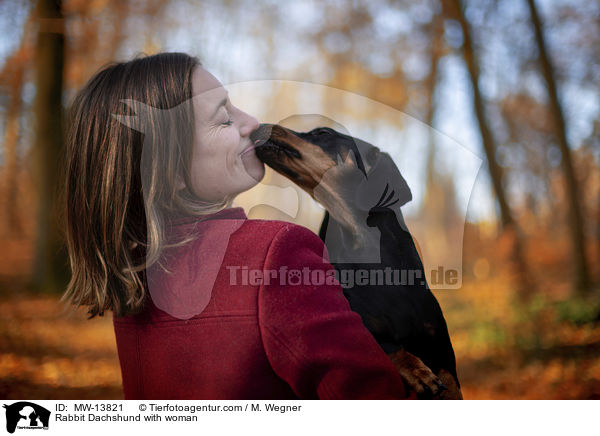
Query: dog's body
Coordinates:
[347,176]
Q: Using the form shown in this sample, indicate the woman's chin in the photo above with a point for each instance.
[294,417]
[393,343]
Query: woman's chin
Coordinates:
[254,167]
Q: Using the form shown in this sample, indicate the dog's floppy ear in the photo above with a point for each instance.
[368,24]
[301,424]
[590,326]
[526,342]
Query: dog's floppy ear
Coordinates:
[382,173]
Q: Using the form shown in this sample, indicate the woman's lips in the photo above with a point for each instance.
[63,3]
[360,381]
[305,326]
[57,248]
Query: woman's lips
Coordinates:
[249,148]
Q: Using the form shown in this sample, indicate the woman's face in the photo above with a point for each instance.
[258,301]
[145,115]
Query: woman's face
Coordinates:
[223,159]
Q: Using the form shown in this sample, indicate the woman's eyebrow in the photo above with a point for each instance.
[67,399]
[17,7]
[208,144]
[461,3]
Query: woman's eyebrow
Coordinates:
[222,103]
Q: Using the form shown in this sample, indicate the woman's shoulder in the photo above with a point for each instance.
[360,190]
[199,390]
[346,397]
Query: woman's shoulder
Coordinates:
[236,221]
[284,240]
[274,224]
[275,236]
[278,229]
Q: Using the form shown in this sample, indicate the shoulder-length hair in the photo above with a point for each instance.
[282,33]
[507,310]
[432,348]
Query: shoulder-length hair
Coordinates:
[121,183]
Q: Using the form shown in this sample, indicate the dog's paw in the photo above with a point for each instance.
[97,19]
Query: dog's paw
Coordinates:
[417,375]
[453,392]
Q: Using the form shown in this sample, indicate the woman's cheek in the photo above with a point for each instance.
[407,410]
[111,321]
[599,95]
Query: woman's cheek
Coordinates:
[231,143]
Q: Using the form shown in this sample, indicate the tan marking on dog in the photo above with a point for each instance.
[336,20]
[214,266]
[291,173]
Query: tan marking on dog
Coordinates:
[415,372]
[453,392]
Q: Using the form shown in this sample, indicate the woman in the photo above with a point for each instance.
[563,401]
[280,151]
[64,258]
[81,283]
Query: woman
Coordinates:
[155,155]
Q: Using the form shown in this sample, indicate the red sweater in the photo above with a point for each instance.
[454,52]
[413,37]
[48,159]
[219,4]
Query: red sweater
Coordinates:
[247,339]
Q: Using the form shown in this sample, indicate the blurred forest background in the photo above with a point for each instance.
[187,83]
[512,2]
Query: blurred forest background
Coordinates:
[515,81]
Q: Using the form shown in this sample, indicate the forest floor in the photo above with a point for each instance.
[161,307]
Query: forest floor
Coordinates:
[545,349]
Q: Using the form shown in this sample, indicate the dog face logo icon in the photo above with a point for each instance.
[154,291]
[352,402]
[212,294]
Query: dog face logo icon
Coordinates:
[26,415]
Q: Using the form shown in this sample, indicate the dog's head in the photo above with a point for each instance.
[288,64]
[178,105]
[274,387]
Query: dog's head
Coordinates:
[325,162]
[304,158]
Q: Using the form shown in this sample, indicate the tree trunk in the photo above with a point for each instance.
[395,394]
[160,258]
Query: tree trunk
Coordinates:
[431,82]
[50,264]
[575,213]
[16,63]
[526,285]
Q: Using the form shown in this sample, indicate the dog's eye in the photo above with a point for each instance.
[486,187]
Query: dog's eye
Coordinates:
[321,131]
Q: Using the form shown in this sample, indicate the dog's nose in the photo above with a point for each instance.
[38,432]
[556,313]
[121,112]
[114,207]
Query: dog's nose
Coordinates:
[262,134]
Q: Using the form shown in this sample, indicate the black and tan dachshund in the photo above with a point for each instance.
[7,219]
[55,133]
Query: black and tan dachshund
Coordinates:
[362,191]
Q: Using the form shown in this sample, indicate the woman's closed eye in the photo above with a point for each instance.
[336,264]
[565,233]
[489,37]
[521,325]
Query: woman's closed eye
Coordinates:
[229,119]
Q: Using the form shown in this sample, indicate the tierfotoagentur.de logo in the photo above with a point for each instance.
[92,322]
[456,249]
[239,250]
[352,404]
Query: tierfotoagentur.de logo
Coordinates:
[26,415]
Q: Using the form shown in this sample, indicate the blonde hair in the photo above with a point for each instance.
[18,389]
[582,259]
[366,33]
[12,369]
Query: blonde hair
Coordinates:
[120,186]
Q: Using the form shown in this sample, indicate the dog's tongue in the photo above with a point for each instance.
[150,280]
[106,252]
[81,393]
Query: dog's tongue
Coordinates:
[260,141]
[252,147]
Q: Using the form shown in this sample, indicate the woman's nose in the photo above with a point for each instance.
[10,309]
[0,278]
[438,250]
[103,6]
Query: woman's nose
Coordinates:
[249,124]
